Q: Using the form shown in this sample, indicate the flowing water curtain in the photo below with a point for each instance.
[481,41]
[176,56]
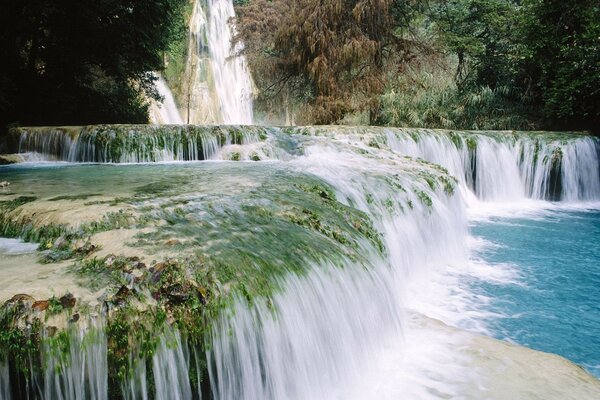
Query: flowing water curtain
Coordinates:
[503,166]
[133,144]
[218,84]
[167,112]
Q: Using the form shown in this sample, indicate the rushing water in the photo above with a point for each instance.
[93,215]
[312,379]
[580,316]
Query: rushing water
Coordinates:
[231,75]
[364,327]
[218,85]
[548,299]
[494,166]
[167,112]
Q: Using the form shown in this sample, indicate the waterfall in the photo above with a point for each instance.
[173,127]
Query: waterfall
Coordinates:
[232,78]
[217,79]
[490,166]
[166,113]
[82,365]
[133,144]
[504,166]
[329,325]
[323,328]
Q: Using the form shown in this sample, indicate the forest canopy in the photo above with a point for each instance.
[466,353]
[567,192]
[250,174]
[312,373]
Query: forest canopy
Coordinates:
[83,62]
[456,64]
[473,64]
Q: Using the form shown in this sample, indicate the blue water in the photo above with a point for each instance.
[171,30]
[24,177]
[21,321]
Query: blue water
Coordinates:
[553,305]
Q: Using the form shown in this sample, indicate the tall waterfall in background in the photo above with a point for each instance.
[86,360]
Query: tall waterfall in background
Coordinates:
[231,75]
[217,86]
[217,80]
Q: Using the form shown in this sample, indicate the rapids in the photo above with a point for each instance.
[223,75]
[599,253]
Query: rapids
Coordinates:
[348,313]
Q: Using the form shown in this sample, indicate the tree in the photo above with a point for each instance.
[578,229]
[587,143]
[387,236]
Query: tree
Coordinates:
[83,62]
[561,61]
[332,52]
[544,55]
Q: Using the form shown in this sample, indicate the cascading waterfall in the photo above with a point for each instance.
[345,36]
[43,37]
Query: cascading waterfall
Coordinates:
[322,330]
[329,325]
[218,83]
[129,144]
[507,167]
[233,83]
[83,370]
[167,112]
[491,166]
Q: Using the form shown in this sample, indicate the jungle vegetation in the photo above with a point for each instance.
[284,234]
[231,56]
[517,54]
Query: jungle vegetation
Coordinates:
[470,64]
[457,64]
[83,62]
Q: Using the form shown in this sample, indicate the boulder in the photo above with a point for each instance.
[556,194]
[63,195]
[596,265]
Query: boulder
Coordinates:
[40,305]
[68,301]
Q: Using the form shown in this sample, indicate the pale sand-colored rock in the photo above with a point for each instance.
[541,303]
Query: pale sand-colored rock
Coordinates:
[505,371]
[67,212]
[516,372]
[24,274]
[119,242]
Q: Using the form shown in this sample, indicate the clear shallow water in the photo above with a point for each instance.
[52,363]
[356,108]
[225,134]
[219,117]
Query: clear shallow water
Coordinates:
[349,327]
[552,300]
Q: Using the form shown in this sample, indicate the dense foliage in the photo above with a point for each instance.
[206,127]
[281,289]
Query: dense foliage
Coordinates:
[472,64]
[81,62]
[477,64]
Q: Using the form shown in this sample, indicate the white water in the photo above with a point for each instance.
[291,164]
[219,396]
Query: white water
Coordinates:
[348,330]
[504,168]
[219,85]
[136,144]
[16,247]
[83,369]
[167,112]
[339,321]
[233,83]
[348,334]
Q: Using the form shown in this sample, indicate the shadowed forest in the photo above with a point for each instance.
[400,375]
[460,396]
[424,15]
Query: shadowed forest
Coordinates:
[457,64]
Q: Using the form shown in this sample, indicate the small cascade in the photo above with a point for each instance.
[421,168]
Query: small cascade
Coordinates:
[508,166]
[82,365]
[132,144]
[327,327]
[492,166]
[167,112]
[170,367]
[218,83]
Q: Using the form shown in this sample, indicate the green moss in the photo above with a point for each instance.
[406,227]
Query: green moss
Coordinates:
[373,143]
[472,143]
[536,152]
[54,306]
[449,183]
[456,139]
[19,343]
[75,197]
[321,190]
[425,198]
[557,156]
[10,205]
[96,274]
